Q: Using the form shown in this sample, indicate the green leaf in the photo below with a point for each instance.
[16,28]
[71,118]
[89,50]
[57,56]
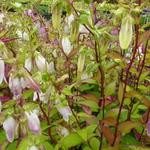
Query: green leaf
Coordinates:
[71,140]
[81,61]
[83,134]
[96,144]
[92,104]
[125,35]
[24,144]
[48,146]
[110,88]
[56,14]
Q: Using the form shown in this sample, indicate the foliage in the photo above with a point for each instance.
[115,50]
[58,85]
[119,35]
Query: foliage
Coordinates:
[74,74]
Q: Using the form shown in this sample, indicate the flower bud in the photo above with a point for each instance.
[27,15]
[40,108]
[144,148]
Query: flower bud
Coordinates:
[40,62]
[33,148]
[70,19]
[66,45]
[33,122]
[10,126]
[1,17]
[28,64]
[64,131]
[2,70]
[65,112]
[32,83]
[51,67]
[15,86]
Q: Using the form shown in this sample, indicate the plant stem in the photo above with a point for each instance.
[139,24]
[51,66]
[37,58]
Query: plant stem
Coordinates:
[47,119]
[137,83]
[126,81]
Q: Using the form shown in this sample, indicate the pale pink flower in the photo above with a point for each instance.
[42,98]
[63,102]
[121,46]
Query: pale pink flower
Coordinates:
[31,83]
[1,17]
[33,122]
[51,67]
[28,64]
[10,126]
[148,128]
[2,70]
[15,86]
[40,62]
[33,148]
[64,131]
[70,19]
[65,112]
[66,45]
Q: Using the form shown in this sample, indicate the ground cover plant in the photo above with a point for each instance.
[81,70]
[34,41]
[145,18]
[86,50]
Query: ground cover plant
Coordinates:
[74,75]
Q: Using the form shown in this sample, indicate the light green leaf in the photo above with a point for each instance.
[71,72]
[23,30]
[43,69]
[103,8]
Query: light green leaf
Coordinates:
[71,140]
[125,35]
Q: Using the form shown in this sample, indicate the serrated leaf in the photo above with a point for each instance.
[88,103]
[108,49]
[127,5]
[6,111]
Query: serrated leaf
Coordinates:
[125,34]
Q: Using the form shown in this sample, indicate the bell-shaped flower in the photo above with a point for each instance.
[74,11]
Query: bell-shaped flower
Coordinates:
[30,13]
[42,97]
[70,19]
[148,128]
[10,126]
[33,148]
[28,64]
[33,122]
[2,70]
[82,29]
[64,131]
[22,35]
[65,112]
[1,17]
[40,62]
[15,86]
[51,67]
[66,45]
[31,83]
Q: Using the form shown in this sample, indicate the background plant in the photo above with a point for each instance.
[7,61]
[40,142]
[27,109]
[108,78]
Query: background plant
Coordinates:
[74,74]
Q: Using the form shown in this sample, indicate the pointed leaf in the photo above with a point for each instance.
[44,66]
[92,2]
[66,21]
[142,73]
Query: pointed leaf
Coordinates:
[125,35]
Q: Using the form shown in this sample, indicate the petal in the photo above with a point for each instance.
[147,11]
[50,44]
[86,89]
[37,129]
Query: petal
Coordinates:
[65,112]
[2,70]
[0,106]
[33,122]
[32,83]
[23,83]
[51,67]
[66,45]
[9,126]
[40,62]
[28,64]
[33,148]
[70,19]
